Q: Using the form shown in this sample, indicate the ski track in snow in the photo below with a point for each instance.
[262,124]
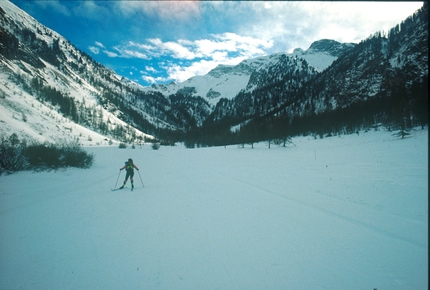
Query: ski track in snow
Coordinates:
[328,212]
[344,212]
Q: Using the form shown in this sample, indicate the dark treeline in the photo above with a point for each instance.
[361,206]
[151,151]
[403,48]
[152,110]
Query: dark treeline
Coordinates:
[401,110]
[382,81]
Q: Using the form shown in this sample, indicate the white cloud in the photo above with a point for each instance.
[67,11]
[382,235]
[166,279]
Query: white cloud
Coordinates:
[149,79]
[201,55]
[162,10]
[54,5]
[220,56]
[140,46]
[110,53]
[94,49]
[244,39]
[92,10]
[175,49]
[127,53]
[180,73]
[298,24]
[231,42]
[99,44]
[150,69]
[267,5]
[153,80]
[218,47]
[207,46]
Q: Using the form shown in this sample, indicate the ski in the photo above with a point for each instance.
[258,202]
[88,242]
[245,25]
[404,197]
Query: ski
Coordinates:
[115,189]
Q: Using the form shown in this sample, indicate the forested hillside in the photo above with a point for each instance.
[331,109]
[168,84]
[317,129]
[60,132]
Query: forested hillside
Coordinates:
[382,81]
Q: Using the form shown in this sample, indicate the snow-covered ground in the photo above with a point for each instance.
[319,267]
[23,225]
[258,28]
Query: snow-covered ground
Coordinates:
[347,212]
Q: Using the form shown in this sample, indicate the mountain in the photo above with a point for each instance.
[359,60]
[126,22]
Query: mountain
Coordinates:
[50,90]
[322,53]
[226,81]
[383,80]
[48,76]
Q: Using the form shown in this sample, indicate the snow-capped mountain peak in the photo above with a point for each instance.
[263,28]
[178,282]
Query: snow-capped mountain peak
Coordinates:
[226,81]
[329,46]
[322,53]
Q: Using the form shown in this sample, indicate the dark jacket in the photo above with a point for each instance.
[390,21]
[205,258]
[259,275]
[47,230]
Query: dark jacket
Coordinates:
[129,167]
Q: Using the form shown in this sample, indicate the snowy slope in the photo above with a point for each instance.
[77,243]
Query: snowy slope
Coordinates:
[22,112]
[346,212]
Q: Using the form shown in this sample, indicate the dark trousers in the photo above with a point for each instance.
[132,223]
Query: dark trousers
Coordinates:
[129,174]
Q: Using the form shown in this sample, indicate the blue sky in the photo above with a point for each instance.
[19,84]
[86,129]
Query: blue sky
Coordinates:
[164,41]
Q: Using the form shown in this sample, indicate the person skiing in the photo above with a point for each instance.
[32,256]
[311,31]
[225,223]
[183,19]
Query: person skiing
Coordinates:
[129,166]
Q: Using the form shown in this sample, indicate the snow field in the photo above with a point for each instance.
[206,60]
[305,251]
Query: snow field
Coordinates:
[347,212]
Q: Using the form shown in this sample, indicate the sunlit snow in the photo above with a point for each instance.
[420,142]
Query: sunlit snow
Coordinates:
[348,212]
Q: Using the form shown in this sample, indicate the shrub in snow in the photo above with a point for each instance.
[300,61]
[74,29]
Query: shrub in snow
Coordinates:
[42,156]
[122,145]
[155,146]
[11,155]
[71,154]
[50,156]
[16,155]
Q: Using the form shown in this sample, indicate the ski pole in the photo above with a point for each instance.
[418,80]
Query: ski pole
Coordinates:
[140,178]
[117,179]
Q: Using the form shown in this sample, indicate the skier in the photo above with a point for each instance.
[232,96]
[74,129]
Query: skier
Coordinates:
[129,166]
